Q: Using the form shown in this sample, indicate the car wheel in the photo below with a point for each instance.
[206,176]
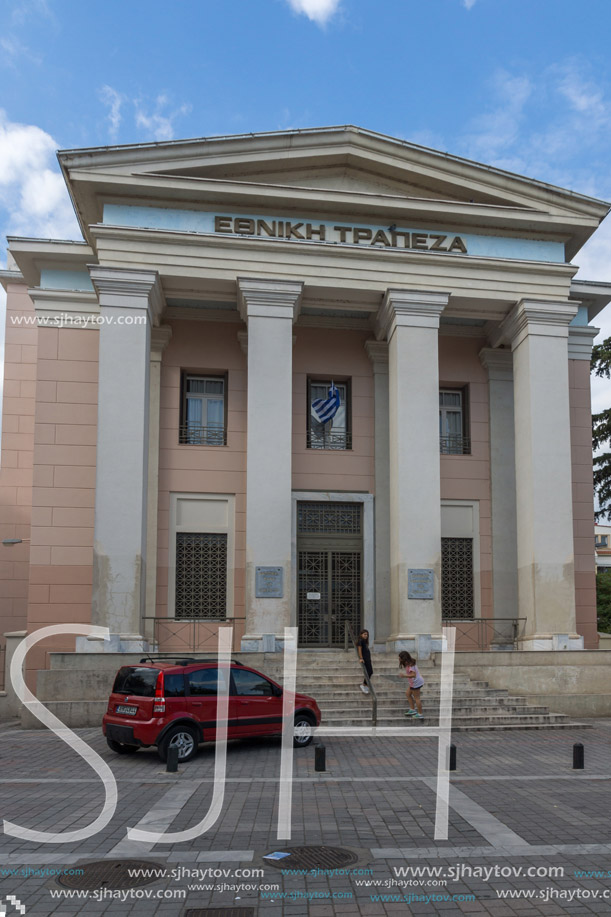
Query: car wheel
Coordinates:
[303,730]
[184,738]
[120,749]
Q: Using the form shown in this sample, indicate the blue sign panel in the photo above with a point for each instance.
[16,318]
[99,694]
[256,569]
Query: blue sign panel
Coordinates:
[420,584]
[269,582]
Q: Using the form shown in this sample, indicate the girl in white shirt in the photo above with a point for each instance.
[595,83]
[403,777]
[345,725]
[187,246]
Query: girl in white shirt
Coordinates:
[408,669]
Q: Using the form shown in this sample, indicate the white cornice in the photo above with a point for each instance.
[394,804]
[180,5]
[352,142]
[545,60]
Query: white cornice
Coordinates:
[331,142]
[7,277]
[373,253]
[416,308]
[549,319]
[125,288]
[269,298]
[65,308]
[498,363]
[377,351]
[581,338]
[160,338]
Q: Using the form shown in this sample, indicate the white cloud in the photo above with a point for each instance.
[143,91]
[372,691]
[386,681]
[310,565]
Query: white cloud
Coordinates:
[159,123]
[113,101]
[318,11]
[541,123]
[468,4]
[28,10]
[498,129]
[33,197]
[14,50]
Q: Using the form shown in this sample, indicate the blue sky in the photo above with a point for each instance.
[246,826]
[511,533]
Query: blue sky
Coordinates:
[521,84]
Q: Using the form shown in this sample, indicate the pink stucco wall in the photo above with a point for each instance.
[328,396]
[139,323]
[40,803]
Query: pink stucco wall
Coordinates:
[63,493]
[338,355]
[17,459]
[467,477]
[205,348]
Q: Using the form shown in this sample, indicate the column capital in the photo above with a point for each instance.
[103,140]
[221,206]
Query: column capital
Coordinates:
[581,339]
[377,351]
[160,338]
[498,363]
[269,298]
[124,288]
[540,317]
[415,308]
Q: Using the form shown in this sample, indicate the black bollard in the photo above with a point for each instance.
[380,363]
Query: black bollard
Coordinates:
[577,756]
[172,761]
[452,757]
[319,758]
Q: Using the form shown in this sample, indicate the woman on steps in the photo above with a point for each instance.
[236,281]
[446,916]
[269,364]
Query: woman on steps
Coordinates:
[365,657]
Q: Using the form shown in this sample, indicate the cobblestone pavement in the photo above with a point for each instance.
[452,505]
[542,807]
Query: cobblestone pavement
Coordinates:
[527,834]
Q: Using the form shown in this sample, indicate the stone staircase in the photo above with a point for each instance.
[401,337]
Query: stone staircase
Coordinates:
[333,678]
[77,685]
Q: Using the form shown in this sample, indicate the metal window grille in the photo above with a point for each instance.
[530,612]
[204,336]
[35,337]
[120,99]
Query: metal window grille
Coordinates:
[201,576]
[329,518]
[457,578]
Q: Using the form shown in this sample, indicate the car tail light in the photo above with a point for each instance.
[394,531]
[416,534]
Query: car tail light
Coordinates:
[159,702]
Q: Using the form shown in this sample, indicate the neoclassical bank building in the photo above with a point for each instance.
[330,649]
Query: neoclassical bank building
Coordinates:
[163,470]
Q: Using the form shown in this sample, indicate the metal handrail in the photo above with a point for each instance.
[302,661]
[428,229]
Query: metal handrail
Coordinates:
[350,636]
[485,630]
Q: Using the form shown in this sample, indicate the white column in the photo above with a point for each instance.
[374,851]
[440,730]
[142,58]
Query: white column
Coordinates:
[499,364]
[269,308]
[545,551]
[160,338]
[377,351]
[130,301]
[410,320]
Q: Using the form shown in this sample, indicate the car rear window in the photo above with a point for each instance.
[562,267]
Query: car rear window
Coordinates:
[135,680]
[174,685]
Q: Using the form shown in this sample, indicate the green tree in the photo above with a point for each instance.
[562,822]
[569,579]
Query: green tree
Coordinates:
[601,433]
[603,602]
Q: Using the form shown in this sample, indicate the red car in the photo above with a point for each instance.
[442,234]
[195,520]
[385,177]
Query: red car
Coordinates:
[174,705]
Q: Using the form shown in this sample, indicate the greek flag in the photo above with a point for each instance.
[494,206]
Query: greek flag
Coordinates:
[325,409]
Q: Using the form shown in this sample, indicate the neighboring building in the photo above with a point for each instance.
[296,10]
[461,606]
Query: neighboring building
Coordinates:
[602,543]
[159,447]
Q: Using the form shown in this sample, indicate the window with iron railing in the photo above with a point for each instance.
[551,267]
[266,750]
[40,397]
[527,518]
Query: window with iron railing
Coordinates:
[335,434]
[453,422]
[203,415]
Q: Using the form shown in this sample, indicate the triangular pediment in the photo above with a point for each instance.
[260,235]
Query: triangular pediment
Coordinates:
[344,177]
[333,170]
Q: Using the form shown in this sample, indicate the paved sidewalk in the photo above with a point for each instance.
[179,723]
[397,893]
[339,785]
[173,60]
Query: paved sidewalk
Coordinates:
[516,805]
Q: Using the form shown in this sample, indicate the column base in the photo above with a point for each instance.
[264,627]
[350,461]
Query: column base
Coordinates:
[118,643]
[539,642]
[422,646]
[262,643]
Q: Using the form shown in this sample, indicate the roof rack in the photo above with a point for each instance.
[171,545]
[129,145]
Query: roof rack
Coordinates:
[186,661]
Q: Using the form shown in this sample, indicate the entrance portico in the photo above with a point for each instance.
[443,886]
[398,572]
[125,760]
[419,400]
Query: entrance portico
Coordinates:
[358,263]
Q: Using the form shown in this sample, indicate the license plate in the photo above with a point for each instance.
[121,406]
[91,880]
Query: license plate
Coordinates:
[129,711]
